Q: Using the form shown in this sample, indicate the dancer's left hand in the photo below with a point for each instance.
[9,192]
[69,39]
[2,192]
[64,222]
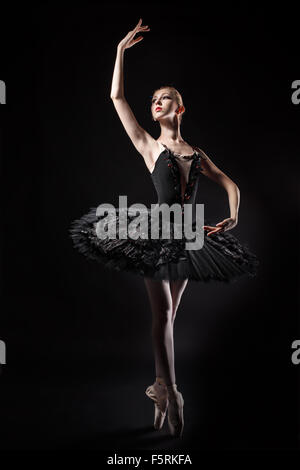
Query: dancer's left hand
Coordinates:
[226,224]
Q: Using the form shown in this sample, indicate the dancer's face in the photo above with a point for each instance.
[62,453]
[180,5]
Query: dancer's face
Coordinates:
[165,100]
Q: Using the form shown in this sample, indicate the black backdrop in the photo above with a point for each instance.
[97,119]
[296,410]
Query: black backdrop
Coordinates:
[79,353]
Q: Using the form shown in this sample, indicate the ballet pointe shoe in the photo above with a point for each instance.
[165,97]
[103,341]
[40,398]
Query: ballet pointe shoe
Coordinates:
[175,411]
[159,394]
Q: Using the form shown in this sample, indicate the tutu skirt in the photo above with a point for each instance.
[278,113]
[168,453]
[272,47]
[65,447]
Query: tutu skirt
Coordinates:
[221,258]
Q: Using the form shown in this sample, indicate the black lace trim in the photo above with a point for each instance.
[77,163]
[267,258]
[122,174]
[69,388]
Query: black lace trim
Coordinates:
[195,170]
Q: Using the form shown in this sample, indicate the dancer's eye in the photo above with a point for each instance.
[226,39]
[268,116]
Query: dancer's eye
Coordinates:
[163,98]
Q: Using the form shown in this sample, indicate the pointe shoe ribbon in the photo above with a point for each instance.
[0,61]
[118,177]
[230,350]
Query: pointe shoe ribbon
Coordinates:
[159,395]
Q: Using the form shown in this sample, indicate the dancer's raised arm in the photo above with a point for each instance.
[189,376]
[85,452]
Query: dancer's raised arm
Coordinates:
[143,142]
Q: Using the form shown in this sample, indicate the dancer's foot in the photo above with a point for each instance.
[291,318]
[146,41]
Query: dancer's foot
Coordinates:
[159,394]
[175,411]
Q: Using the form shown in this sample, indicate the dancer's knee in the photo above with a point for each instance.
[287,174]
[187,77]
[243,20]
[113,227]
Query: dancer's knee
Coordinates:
[162,316]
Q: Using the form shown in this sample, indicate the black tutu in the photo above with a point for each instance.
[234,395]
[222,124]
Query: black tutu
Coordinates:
[221,258]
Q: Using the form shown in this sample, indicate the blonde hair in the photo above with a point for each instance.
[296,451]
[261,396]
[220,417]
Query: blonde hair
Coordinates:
[177,97]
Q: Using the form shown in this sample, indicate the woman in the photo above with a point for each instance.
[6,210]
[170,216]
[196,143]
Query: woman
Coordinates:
[166,264]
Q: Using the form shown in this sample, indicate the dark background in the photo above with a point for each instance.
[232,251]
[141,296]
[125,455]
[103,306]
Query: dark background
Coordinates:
[79,352]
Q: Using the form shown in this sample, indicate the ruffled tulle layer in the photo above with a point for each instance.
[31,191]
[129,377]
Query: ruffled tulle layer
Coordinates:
[222,257]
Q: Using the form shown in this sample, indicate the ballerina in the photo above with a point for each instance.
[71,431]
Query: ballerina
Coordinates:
[165,264]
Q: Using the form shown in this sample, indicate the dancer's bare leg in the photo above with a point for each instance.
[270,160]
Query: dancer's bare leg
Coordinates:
[164,299]
[162,328]
[177,288]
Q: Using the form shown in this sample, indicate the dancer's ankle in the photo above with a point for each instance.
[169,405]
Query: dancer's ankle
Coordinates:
[160,381]
[172,390]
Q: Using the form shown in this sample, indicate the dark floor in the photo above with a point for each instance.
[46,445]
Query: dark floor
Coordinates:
[90,406]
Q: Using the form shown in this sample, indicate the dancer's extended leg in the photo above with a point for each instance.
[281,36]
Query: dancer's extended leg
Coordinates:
[164,299]
[162,329]
[177,288]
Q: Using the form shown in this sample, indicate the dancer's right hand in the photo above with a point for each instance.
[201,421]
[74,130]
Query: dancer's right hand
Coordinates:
[129,40]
